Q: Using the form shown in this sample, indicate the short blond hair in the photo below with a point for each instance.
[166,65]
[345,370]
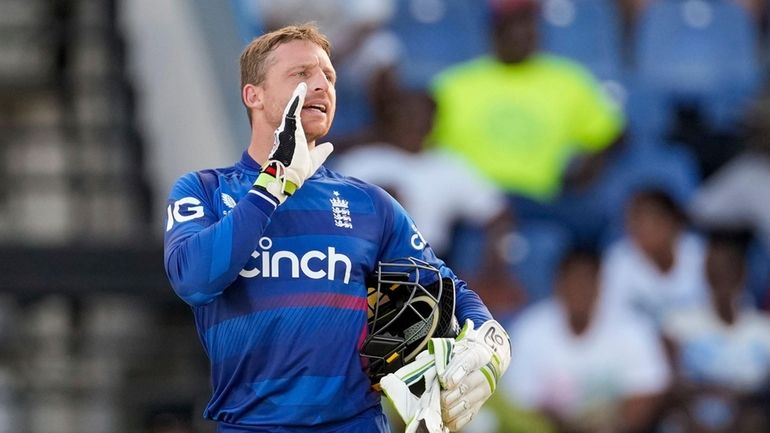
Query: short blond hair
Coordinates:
[254,57]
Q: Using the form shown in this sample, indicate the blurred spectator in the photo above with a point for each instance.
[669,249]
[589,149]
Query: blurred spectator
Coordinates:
[711,146]
[439,190]
[521,115]
[629,11]
[739,193]
[722,348]
[588,369]
[657,266]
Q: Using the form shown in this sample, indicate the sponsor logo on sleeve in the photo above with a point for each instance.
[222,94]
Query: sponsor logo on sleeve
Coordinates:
[418,242]
[229,201]
[184,209]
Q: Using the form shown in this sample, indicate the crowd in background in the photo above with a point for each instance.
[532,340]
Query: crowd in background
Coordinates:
[598,171]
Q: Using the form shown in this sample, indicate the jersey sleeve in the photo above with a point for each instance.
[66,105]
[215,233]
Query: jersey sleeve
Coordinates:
[401,238]
[203,253]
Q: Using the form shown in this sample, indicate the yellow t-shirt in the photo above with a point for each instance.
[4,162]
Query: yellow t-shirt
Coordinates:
[519,124]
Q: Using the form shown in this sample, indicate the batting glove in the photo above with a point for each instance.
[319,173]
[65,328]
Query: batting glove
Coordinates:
[290,161]
[478,358]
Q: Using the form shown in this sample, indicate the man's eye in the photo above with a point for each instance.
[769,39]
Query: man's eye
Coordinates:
[301,74]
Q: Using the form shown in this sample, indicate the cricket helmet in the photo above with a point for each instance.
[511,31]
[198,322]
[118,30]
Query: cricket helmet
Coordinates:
[409,303]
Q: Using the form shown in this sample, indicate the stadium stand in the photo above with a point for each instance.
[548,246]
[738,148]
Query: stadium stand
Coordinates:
[438,33]
[698,51]
[587,31]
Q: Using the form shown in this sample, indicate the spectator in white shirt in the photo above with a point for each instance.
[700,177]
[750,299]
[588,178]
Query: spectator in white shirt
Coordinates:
[657,267]
[740,190]
[722,349]
[439,190]
[588,370]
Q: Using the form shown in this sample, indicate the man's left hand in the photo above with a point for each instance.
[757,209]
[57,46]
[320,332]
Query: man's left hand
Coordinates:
[479,357]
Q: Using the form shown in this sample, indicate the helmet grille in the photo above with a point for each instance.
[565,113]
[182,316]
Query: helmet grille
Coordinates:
[409,303]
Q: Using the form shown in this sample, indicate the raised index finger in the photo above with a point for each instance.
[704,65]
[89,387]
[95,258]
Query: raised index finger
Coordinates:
[294,107]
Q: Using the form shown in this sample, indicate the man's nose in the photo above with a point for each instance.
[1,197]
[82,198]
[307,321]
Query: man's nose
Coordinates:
[318,82]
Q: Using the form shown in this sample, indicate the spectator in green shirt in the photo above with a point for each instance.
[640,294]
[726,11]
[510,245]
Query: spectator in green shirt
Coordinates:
[521,116]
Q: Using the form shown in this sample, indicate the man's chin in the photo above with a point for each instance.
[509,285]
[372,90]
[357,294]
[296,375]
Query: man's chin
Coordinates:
[316,127]
[314,134]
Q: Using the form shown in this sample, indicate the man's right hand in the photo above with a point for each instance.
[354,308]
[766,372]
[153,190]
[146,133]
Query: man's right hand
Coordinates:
[479,357]
[290,161]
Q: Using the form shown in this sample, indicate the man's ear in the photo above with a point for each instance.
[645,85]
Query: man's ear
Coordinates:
[253,97]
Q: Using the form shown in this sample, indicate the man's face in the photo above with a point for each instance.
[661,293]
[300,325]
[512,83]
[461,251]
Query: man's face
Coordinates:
[578,286]
[515,35]
[725,272]
[652,228]
[290,64]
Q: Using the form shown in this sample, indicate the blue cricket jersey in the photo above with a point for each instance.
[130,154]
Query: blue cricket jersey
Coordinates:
[279,294]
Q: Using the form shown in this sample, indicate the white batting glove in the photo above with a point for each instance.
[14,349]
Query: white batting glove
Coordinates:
[290,161]
[479,357]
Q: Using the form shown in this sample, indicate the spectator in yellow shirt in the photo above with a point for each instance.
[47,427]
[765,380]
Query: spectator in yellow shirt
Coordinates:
[521,115]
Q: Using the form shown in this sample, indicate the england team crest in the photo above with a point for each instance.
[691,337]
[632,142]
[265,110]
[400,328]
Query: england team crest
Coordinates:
[341,212]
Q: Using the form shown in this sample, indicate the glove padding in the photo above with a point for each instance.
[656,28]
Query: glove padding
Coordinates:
[290,161]
[421,414]
[479,357]
[459,375]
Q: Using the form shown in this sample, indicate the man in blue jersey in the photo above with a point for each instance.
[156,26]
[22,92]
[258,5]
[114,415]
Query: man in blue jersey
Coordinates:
[272,254]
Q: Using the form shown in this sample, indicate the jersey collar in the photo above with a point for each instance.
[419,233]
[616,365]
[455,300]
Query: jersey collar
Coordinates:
[247,163]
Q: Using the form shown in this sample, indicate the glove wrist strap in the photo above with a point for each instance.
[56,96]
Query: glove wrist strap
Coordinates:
[270,174]
[264,179]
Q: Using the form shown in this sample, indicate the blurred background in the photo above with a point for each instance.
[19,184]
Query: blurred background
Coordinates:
[598,170]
